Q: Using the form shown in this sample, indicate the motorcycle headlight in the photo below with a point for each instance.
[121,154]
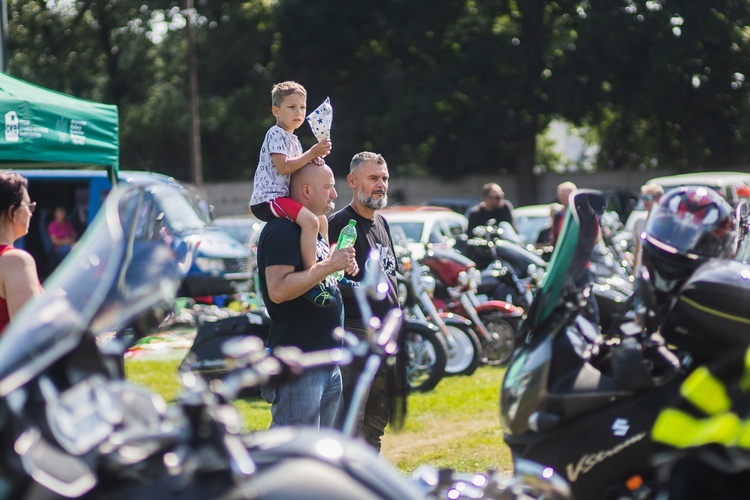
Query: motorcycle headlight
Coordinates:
[427,283]
[475,278]
[463,278]
[210,266]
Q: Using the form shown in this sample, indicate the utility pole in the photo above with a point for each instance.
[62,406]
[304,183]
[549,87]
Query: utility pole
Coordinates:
[4,37]
[196,157]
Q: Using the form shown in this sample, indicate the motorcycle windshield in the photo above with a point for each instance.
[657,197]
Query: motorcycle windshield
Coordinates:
[125,265]
[572,255]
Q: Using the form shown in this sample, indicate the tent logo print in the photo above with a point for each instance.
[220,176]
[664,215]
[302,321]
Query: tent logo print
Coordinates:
[61,127]
[11,127]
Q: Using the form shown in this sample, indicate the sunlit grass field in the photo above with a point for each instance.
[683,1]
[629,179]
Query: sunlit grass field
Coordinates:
[456,425]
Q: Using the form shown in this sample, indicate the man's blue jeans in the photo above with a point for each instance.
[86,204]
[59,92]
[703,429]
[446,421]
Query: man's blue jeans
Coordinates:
[312,399]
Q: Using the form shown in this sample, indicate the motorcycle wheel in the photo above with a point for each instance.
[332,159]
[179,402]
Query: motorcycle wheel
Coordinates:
[499,347]
[464,351]
[426,359]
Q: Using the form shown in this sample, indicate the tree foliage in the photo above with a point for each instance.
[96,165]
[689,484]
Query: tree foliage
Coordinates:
[440,87]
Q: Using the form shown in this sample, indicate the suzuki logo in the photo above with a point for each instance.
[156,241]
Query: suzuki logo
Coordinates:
[620,427]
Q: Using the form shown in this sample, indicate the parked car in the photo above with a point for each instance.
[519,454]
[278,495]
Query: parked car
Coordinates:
[459,205]
[530,220]
[221,266]
[419,227]
[733,186]
[246,229]
[243,228]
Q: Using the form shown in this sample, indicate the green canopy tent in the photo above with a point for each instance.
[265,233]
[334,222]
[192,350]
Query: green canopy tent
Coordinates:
[49,129]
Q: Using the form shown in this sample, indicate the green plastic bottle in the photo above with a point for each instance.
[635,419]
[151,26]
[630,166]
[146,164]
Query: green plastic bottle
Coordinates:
[347,237]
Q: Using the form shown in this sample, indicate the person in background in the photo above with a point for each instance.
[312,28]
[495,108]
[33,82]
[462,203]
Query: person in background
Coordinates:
[62,233]
[493,206]
[558,211]
[313,398]
[650,194]
[19,281]
[368,179]
[280,156]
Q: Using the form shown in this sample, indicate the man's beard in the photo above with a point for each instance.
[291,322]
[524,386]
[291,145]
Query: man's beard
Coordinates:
[371,202]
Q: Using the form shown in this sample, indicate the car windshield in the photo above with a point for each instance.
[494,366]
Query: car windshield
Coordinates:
[529,227]
[180,213]
[238,230]
[411,230]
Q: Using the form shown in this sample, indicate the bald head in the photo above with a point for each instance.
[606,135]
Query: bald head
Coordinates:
[314,187]
[302,177]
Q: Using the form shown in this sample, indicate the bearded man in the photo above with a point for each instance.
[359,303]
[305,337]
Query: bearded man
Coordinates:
[368,179]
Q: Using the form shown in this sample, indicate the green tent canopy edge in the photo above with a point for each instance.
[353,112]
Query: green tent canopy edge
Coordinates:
[49,129]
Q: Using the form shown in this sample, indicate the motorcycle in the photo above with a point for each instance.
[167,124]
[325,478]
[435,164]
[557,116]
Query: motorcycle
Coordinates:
[425,349]
[574,399]
[494,321]
[416,288]
[511,270]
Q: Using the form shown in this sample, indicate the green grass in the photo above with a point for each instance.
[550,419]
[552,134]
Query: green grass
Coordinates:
[456,425]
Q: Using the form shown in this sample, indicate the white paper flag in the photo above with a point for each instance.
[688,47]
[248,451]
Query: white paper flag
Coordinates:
[321,119]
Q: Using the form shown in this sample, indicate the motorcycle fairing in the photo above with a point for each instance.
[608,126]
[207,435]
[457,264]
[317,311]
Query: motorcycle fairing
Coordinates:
[597,450]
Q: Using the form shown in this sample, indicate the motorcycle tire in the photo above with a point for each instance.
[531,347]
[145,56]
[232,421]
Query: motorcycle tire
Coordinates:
[464,350]
[497,350]
[426,351]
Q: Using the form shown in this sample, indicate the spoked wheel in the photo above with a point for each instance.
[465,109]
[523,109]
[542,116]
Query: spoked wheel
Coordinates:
[426,353]
[499,347]
[464,350]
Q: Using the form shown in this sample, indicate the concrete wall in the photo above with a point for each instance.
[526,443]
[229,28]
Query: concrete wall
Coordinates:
[231,198]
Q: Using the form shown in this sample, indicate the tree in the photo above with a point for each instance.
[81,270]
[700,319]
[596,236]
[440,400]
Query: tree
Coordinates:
[666,82]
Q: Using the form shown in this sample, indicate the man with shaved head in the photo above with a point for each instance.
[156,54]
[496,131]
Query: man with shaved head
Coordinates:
[313,398]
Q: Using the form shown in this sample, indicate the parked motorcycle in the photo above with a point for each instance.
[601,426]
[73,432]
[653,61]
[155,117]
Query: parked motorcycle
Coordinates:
[416,288]
[425,348]
[574,399]
[494,321]
[511,270]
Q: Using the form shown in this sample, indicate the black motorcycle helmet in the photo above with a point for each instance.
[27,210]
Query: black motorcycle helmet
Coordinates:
[688,226]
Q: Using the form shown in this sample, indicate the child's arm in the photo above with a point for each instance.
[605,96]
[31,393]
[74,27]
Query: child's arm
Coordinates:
[286,165]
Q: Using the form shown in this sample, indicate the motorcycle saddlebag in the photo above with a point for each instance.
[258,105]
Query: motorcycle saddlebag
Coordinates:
[206,357]
[712,313]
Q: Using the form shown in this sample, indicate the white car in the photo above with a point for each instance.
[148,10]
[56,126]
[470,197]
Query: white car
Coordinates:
[729,184]
[419,227]
[530,220]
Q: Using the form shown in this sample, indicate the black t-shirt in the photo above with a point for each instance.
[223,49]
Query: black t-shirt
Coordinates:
[297,322]
[479,215]
[370,234]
